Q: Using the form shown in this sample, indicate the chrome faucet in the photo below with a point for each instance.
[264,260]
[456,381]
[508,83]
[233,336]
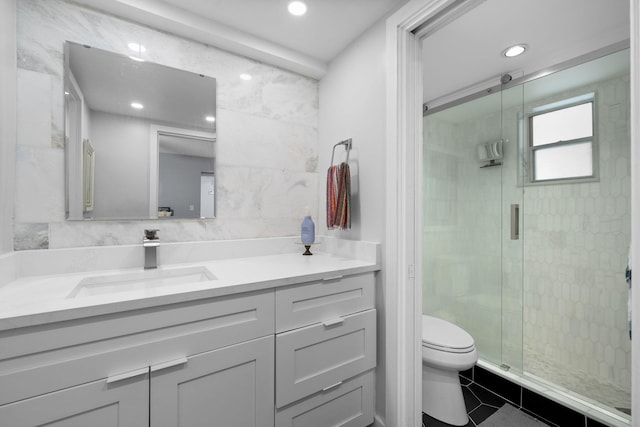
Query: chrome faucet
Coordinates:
[150,243]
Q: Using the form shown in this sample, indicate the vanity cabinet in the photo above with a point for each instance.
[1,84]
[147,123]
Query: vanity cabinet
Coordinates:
[297,355]
[92,404]
[182,364]
[326,352]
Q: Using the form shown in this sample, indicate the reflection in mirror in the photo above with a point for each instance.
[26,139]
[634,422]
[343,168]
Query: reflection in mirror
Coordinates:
[184,158]
[140,138]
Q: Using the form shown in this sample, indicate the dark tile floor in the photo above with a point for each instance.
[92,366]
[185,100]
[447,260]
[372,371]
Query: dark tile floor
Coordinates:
[485,392]
[480,402]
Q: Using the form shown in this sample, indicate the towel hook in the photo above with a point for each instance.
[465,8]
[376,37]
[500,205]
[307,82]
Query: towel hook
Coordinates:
[347,146]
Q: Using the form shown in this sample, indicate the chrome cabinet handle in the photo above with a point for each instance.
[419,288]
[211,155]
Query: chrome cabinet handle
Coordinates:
[332,386]
[333,322]
[327,279]
[126,375]
[169,364]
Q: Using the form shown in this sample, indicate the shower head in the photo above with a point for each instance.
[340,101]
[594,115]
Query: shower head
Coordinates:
[506,78]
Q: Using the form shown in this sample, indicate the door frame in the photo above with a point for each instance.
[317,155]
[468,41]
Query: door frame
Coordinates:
[154,152]
[403,252]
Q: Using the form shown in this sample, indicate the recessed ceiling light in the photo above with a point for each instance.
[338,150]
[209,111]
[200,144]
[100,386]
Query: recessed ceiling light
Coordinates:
[515,50]
[137,47]
[210,119]
[245,76]
[137,105]
[297,8]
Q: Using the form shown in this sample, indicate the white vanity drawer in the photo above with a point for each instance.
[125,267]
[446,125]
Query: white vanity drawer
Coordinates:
[317,357]
[230,320]
[308,303]
[79,351]
[349,404]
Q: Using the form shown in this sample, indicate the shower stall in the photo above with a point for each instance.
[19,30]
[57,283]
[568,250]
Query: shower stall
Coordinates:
[527,227]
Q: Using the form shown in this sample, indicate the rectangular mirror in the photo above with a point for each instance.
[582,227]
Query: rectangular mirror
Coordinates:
[140,138]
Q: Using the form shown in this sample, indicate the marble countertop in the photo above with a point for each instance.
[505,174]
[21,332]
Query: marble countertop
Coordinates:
[37,300]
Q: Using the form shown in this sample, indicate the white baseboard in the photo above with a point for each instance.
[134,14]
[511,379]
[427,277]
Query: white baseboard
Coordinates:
[377,422]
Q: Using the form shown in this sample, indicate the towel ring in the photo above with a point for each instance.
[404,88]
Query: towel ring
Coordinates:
[347,146]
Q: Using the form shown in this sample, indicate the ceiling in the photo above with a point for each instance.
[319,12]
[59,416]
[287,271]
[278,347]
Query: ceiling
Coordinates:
[464,54]
[261,29]
[323,32]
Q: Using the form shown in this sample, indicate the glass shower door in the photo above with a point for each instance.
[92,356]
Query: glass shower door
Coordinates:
[464,220]
[526,237]
[513,236]
[578,227]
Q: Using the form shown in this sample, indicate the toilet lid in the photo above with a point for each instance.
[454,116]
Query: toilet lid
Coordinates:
[445,336]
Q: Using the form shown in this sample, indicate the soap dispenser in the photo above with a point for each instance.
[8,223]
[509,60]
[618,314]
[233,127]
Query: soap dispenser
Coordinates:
[307,232]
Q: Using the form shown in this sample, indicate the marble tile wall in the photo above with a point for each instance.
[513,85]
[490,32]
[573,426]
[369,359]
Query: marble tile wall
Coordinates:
[7,122]
[554,302]
[576,246]
[267,134]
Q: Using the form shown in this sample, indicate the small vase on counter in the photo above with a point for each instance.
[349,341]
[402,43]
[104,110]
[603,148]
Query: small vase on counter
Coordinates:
[307,233]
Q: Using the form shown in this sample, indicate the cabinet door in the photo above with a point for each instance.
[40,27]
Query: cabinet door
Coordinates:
[232,386]
[97,404]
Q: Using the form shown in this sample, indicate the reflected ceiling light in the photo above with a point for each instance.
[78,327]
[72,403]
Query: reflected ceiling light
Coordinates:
[210,119]
[297,8]
[137,105]
[66,93]
[514,50]
[245,76]
[137,47]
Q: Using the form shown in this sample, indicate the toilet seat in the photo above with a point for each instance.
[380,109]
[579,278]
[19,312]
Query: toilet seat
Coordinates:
[441,335]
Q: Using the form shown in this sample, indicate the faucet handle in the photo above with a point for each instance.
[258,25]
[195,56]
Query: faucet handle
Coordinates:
[151,234]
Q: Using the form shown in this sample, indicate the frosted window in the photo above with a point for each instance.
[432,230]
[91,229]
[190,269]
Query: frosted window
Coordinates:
[562,142]
[564,161]
[563,125]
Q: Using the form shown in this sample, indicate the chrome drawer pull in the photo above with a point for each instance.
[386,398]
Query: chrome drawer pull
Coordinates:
[126,375]
[332,386]
[333,322]
[327,279]
[169,364]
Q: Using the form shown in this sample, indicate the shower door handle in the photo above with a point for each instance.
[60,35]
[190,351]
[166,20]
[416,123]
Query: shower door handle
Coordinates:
[515,222]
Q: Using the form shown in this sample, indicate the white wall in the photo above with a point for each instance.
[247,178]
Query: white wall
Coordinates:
[267,134]
[7,121]
[179,183]
[121,147]
[352,105]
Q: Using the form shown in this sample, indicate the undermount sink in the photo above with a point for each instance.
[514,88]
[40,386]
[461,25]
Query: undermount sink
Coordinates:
[140,280]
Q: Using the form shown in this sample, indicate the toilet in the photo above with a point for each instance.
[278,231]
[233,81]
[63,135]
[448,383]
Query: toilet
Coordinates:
[446,350]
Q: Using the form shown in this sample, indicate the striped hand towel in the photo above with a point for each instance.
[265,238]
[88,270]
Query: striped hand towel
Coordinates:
[339,197]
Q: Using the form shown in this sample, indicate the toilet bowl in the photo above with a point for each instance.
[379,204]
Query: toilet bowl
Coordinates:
[446,350]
